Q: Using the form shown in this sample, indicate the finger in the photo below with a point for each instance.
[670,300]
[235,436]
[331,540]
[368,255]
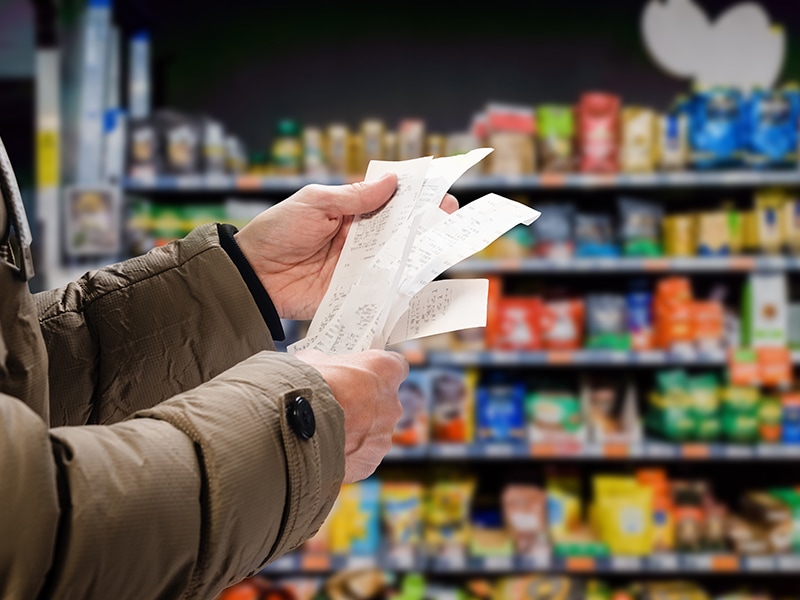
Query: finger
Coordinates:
[449,204]
[400,365]
[358,198]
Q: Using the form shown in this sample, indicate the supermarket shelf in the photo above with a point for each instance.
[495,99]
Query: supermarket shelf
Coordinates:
[597,451]
[655,564]
[223,183]
[599,358]
[666,563]
[629,265]
[321,563]
[227,183]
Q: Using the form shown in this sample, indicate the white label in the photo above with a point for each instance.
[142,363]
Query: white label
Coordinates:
[218,180]
[737,451]
[401,561]
[698,562]
[660,450]
[450,450]
[664,562]
[769,450]
[789,563]
[626,563]
[456,562]
[651,357]
[760,563]
[187,181]
[498,563]
[359,562]
[499,450]
[590,450]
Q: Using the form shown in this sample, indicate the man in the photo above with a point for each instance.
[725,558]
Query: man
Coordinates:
[152,443]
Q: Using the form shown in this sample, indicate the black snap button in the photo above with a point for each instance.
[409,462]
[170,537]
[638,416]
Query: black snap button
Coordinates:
[301,417]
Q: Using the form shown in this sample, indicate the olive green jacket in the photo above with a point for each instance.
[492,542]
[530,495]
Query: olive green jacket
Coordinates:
[145,450]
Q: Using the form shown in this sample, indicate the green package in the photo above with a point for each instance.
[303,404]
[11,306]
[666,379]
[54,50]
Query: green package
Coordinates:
[770,411]
[740,428]
[195,215]
[671,417]
[707,429]
[790,498]
[703,393]
[582,548]
[743,400]
[555,125]
[168,222]
[554,411]
[674,380]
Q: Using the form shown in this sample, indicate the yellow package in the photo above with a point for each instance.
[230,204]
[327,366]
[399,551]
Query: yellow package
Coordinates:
[770,215]
[622,515]
[791,221]
[712,233]
[564,510]
[401,509]
[735,228]
[434,145]
[539,587]
[679,235]
[750,234]
[373,133]
[447,511]
[338,149]
[639,133]
[355,519]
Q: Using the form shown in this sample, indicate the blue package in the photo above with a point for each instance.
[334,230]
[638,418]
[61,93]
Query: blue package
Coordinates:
[639,305]
[369,515]
[414,394]
[770,127]
[594,236]
[715,128]
[501,413]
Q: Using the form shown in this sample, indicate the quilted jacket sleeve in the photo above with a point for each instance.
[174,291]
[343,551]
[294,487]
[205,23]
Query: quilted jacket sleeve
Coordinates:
[179,472]
[181,500]
[131,335]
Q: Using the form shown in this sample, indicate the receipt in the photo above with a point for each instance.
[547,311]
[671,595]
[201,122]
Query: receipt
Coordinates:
[458,236]
[443,306]
[369,233]
[383,290]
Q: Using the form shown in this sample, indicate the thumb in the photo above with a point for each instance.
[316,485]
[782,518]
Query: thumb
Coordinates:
[359,198]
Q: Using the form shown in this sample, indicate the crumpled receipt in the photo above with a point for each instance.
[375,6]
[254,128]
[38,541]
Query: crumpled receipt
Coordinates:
[383,290]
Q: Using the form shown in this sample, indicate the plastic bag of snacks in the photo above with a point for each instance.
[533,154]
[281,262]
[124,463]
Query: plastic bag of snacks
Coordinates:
[555,133]
[715,128]
[770,128]
[598,117]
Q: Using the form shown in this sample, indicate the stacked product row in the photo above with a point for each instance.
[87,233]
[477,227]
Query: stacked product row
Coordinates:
[661,314]
[456,406]
[152,224]
[626,515]
[708,129]
[642,228]
[374,585]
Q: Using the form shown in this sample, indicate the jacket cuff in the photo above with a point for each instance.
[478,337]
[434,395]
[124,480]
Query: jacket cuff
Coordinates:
[267,489]
[262,299]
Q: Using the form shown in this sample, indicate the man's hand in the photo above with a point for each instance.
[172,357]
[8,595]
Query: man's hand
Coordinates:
[365,384]
[294,246]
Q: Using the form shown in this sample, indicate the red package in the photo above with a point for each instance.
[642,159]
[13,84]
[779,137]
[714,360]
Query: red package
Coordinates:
[562,324]
[598,132]
[518,325]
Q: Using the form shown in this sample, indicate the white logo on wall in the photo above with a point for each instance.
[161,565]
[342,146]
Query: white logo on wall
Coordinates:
[741,48]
